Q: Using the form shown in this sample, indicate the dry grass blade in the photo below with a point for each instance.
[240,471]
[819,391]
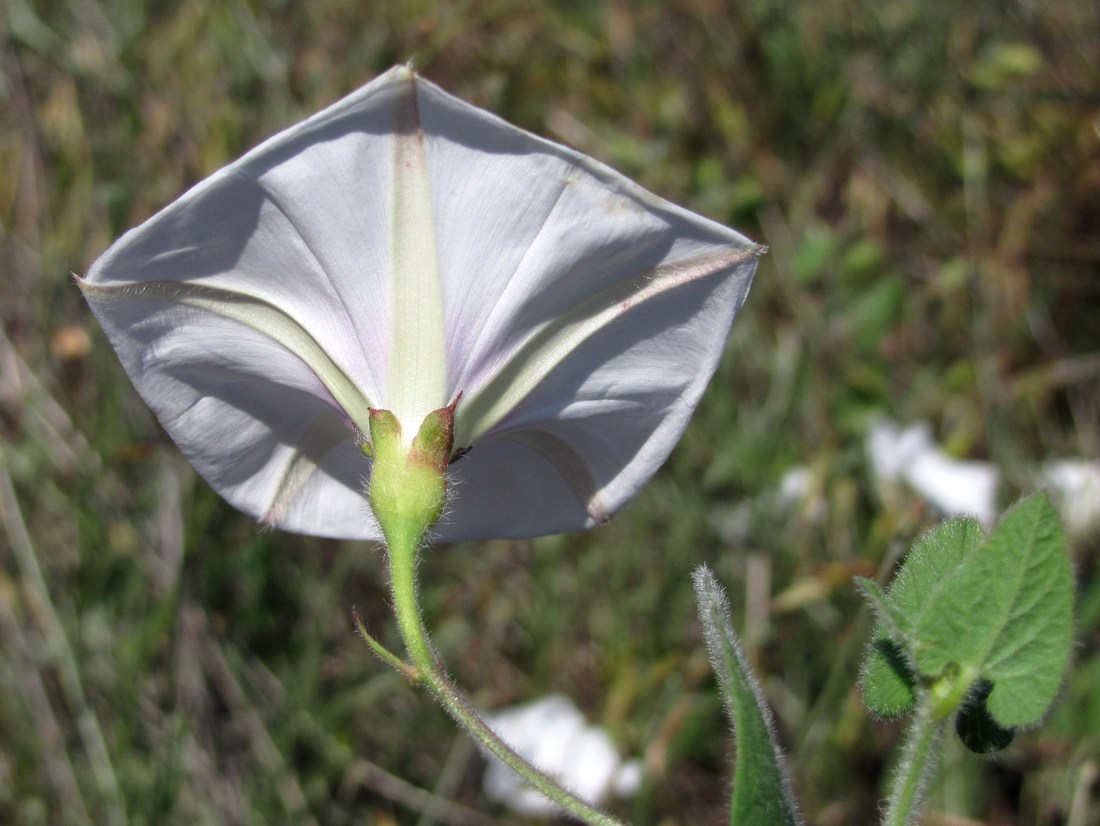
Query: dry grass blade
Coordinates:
[21,672]
[57,642]
[43,419]
[263,747]
[431,806]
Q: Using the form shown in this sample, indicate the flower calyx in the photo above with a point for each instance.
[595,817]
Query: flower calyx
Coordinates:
[408,483]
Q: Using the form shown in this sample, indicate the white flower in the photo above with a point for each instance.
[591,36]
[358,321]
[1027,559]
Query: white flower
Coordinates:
[954,487]
[395,250]
[553,734]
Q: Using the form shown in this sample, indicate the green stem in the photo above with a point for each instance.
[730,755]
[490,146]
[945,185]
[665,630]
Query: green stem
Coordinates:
[919,760]
[402,563]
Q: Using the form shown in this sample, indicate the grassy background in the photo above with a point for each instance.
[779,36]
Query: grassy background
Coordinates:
[928,179]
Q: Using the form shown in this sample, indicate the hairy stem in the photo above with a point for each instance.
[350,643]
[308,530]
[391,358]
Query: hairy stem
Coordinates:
[402,563]
[919,761]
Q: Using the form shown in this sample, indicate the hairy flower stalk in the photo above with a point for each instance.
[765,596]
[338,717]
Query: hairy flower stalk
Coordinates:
[407,492]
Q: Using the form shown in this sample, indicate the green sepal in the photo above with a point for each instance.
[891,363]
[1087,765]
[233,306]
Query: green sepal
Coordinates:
[435,439]
[408,482]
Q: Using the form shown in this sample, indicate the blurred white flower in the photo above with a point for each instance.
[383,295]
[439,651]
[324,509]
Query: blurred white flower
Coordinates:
[1075,487]
[952,486]
[552,734]
[393,251]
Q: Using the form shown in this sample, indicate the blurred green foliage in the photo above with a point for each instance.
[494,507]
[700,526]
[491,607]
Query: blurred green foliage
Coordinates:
[928,179]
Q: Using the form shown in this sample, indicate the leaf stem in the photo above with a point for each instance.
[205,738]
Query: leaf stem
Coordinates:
[402,563]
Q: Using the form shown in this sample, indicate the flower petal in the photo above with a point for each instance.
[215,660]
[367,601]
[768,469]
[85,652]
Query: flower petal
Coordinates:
[252,417]
[584,318]
[296,263]
[393,251]
[586,439]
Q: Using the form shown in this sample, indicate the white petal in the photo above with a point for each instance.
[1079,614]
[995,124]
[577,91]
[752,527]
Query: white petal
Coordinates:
[287,253]
[584,318]
[957,488]
[255,421]
[395,250]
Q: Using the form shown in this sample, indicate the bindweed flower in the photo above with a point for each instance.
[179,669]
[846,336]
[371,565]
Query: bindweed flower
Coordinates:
[395,252]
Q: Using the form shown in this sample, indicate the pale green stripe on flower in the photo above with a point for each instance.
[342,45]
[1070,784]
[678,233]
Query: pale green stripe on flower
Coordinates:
[417,380]
[260,316]
[482,409]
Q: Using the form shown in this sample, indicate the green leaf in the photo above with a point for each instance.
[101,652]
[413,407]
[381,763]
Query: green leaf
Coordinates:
[969,610]
[761,789]
[1006,613]
[889,679]
[929,572]
[889,684]
[891,620]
